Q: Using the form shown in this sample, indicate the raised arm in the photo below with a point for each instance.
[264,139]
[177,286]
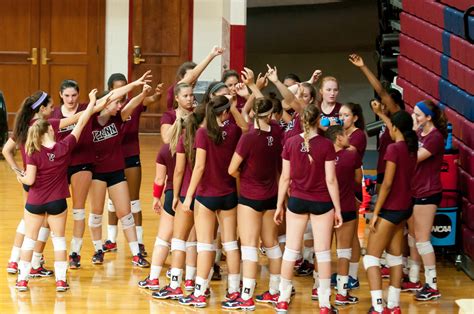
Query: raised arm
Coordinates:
[155,98]
[377,108]
[191,76]
[134,102]
[121,91]
[288,97]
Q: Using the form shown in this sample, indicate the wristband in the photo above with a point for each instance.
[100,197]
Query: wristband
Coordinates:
[157,190]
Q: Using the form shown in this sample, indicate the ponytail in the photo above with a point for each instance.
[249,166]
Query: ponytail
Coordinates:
[35,135]
[356,110]
[175,133]
[404,123]
[215,108]
[26,113]
[263,107]
[438,118]
[310,119]
[192,125]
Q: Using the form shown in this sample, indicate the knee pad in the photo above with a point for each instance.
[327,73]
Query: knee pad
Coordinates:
[424,247]
[161,242]
[273,252]
[344,253]
[43,234]
[59,243]
[323,256]
[249,253]
[178,245]
[230,246]
[393,260]
[411,241]
[127,221]
[78,214]
[291,255]
[110,206]
[135,206]
[21,227]
[28,244]
[205,247]
[370,261]
[95,221]
[282,238]
[190,244]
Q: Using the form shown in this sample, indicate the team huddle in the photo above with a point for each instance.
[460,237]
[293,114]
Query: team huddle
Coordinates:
[239,172]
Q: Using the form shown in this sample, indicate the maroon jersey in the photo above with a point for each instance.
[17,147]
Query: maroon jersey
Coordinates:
[188,168]
[216,180]
[130,141]
[358,139]
[164,158]
[169,117]
[293,128]
[400,195]
[308,179]
[334,114]
[384,141]
[82,153]
[347,162]
[427,179]
[51,172]
[107,141]
[261,163]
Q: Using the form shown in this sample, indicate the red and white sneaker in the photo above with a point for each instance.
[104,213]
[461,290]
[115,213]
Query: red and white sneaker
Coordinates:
[207,293]
[41,272]
[232,296]
[189,285]
[168,293]
[373,311]
[147,283]
[385,271]
[22,285]
[140,261]
[411,286]
[298,263]
[395,310]
[314,294]
[328,310]
[267,297]
[427,293]
[200,301]
[61,286]
[347,299]
[282,307]
[239,304]
[12,267]
[109,246]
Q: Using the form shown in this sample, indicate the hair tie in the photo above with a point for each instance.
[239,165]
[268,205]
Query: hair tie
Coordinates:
[264,114]
[424,108]
[221,107]
[216,87]
[37,103]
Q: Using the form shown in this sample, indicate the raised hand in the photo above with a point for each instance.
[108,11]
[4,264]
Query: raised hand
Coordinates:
[242,90]
[93,95]
[356,60]
[248,77]
[144,79]
[146,90]
[159,89]
[262,81]
[272,74]
[315,77]
[217,51]
[376,107]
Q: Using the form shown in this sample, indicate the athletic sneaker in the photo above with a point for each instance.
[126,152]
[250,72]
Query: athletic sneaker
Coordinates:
[334,280]
[217,273]
[168,273]
[314,294]
[40,272]
[109,246]
[147,283]
[193,300]
[61,286]
[232,296]
[298,263]
[347,299]
[98,257]
[427,293]
[12,267]
[353,283]
[328,310]
[282,307]
[141,246]
[267,297]
[305,269]
[373,311]
[168,293]
[21,285]
[407,285]
[140,261]
[74,261]
[189,285]
[239,304]
[385,271]
[395,310]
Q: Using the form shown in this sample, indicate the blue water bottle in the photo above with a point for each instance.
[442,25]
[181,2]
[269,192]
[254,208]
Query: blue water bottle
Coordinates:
[449,139]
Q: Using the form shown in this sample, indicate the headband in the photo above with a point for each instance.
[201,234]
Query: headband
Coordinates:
[221,107]
[424,108]
[264,114]
[37,103]
[216,87]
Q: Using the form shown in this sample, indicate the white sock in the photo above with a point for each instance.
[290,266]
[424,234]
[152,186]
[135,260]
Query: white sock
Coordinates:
[60,269]
[315,279]
[274,283]
[15,254]
[354,270]
[139,234]
[248,287]
[308,254]
[342,284]
[134,247]
[155,272]
[430,276]
[285,290]
[324,293]
[377,301]
[233,283]
[36,260]
[176,277]
[112,233]
[76,245]
[393,298]
[217,260]
[24,269]
[97,245]
[414,272]
[190,273]
[200,287]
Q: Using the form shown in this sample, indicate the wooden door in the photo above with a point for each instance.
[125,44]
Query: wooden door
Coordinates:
[19,35]
[161,28]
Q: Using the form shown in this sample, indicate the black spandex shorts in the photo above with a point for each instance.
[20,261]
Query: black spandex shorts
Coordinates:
[26,188]
[71,170]
[259,205]
[359,196]
[168,205]
[111,178]
[395,216]
[132,161]
[380,177]
[182,198]
[349,216]
[51,208]
[301,206]
[214,203]
[434,199]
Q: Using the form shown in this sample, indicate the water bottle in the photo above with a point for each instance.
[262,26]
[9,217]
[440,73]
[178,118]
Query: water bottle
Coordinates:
[325,122]
[449,140]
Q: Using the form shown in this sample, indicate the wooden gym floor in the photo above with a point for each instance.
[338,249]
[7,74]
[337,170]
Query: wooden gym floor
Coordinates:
[112,287]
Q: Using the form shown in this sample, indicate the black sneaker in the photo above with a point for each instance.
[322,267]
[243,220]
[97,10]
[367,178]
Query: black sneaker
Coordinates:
[217,273]
[305,269]
[74,261]
[143,252]
[98,257]
[427,293]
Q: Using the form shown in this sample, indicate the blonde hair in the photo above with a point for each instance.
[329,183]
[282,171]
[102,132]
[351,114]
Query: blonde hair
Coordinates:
[35,136]
[176,129]
[323,81]
[310,119]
